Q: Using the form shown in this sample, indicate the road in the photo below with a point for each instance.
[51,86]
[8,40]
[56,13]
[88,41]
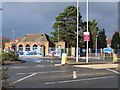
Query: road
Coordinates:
[46,75]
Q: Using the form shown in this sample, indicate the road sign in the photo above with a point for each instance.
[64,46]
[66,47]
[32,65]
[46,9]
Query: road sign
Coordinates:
[86,36]
[107,50]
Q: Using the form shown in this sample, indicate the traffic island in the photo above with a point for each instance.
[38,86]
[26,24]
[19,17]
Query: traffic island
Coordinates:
[98,66]
[90,63]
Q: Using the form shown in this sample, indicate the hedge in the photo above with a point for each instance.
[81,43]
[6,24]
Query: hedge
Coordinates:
[9,56]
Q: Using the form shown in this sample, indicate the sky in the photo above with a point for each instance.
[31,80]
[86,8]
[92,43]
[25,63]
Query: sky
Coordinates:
[38,17]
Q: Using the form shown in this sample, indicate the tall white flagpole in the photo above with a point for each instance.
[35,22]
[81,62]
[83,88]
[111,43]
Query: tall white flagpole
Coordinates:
[87,31]
[77,29]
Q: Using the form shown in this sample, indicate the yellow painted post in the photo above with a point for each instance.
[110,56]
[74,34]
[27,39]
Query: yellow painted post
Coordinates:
[115,58]
[64,58]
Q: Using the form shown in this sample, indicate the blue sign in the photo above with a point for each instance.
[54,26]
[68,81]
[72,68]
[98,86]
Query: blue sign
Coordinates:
[107,50]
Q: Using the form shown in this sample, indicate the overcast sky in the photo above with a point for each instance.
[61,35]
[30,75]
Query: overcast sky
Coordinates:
[38,17]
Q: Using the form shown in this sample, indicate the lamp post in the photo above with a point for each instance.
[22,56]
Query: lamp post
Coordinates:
[58,33]
[13,34]
[118,48]
[96,46]
[96,43]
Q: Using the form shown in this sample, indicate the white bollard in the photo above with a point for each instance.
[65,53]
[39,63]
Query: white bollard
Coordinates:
[74,74]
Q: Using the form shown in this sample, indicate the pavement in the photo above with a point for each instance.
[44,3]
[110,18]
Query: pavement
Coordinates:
[45,74]
[98,66]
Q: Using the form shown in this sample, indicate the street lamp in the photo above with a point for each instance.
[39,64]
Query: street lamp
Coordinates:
[58,34]
[96,43]
[13,34]
[118,48]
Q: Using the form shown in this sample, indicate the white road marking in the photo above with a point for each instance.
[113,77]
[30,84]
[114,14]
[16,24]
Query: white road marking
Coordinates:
[51,61]
[40,65]
[112,70]
[21,67]
[18,67]
[23,78]
[56,71]
[20,73]
[46,72]
[88,79]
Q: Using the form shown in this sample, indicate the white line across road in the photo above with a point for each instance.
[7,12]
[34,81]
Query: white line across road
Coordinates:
[20,73]
[17,67]
[23,67]
[23,78]
[78,80]
[112,71]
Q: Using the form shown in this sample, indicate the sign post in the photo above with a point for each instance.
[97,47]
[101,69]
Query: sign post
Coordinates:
[86,36]
[86,39]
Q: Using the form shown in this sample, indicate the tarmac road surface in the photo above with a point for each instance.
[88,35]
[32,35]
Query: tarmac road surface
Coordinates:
[44,74]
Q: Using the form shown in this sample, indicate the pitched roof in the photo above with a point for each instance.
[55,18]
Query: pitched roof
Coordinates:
[16,40]
[35,38]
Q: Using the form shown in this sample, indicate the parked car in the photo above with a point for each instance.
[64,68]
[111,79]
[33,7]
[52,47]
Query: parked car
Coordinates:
[30,53]
[19,52]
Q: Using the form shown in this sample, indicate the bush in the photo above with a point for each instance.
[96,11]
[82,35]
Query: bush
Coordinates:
[9,56]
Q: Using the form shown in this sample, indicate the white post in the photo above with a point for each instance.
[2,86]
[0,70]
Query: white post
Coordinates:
[87,31]
[58,33]
[96,47]
[77,30]
[74,74]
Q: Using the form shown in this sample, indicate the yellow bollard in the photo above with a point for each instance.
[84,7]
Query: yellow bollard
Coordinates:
[115,58]
[64,58]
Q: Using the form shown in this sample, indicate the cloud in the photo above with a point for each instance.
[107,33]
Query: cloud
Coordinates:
[106,15]
[38,17]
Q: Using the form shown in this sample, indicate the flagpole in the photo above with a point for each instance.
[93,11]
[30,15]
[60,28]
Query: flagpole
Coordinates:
[77,30]
[87,31]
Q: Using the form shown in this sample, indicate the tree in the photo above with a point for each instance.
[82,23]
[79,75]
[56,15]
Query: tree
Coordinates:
[101,39]
[115,43]
[66,26]
[4,40]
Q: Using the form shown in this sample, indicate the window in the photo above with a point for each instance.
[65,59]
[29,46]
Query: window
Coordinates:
[20,48]
[27,47]
[34,47]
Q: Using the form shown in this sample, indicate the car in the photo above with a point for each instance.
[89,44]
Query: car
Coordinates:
[19,52]
[37,61]
[30,53]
